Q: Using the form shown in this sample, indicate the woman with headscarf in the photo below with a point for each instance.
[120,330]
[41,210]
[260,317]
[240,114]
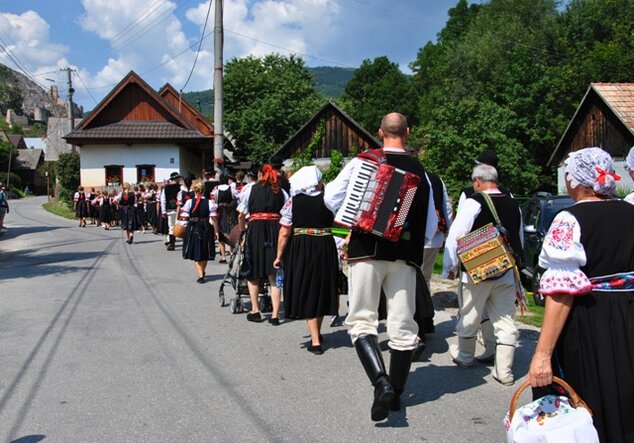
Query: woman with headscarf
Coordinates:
[127,207]
[308,251]
[199,242]
[587,335]
[261,205]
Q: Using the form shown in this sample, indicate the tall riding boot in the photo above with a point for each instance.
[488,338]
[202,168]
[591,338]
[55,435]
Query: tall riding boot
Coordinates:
[400,363]
[367,347]
[462,354]
[503,370]
[172,243]
[488,337]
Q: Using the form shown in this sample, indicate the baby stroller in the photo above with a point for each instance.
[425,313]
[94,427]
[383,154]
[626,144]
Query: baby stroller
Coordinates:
[238,284]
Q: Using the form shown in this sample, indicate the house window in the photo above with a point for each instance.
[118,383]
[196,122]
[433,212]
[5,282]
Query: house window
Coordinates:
[145,173]
[114,175]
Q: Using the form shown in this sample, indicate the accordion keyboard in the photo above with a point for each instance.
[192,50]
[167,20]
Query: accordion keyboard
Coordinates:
[361,178]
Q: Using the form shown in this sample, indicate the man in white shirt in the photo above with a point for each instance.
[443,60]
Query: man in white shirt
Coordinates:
[499,294]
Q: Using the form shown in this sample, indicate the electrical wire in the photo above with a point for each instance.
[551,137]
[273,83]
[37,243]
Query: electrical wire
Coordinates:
[199,46]
[85,87]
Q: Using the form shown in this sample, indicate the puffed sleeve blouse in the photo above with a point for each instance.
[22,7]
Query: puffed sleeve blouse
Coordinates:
[562,256]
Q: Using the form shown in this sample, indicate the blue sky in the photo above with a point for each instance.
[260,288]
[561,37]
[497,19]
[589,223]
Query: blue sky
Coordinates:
[105,39]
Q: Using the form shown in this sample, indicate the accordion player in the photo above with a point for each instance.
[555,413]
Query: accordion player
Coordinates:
[378,198]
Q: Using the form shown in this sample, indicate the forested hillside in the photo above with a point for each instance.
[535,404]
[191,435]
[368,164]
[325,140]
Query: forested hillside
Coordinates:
[330,81]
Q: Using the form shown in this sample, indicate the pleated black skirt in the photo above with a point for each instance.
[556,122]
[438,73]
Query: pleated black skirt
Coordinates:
[199,242]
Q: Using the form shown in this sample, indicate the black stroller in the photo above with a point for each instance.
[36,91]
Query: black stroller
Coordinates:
[237,283]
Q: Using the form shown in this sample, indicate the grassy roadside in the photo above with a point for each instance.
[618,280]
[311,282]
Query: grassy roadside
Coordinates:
[59,208]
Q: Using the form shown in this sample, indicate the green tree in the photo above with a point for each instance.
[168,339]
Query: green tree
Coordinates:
[377,88]
[10,95]
[267,100]
[67,171]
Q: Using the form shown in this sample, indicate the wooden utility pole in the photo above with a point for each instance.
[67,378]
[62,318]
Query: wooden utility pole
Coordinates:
[218,86]
[71,91]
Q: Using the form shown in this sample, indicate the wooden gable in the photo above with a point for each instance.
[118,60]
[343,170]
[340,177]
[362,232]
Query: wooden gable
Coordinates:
[133,100]
[604,119]
[169,94]
[341,133]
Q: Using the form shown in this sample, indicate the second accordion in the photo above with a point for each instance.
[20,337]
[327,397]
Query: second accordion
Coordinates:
[484,253]
[378,199]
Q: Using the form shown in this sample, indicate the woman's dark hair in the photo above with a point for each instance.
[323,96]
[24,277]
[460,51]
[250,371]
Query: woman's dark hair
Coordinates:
[269,177]
[188,182]
[224,179]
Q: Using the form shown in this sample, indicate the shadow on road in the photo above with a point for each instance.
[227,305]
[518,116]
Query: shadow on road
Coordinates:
[33,263]
[29,439]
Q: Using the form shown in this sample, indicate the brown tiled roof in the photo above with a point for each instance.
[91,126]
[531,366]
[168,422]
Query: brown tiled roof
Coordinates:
[27,159]
[620,98]
[135,130]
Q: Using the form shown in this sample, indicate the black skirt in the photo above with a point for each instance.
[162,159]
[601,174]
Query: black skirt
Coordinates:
[199,243]
[105,215]
[81,209]
[595,352]
[227,220]
[311,269]
[262,248]
[129,220]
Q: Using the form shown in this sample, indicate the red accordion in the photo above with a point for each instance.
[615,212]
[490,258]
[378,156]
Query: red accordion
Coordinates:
[378,198]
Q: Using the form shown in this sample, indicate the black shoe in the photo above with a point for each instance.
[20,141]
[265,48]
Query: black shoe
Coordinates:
[317,350]
[418,352]
[200,280]
[170,247]
[383,398]
[128,241]
[131,239]
[254,316]
[275,321]
[222,260]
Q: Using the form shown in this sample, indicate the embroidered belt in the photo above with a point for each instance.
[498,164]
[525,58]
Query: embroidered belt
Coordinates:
[317,232]
[613,283]
[265,216]
[194,219]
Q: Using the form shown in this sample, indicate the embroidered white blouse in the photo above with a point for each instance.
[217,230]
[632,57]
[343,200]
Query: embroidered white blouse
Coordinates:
[562,256]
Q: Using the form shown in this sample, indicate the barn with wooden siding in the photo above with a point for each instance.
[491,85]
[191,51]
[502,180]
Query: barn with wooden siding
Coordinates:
[341,133]
[605,118]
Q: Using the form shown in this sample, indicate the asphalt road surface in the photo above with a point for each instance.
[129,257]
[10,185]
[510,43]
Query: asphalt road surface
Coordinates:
[101,341]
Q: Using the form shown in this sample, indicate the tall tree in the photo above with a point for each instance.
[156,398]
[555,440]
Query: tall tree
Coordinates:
[266,100]
[377,88]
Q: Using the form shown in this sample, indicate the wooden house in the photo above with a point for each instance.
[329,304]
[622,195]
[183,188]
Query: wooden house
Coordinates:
[341,133]
[605,119]
[138,135]
[25,165]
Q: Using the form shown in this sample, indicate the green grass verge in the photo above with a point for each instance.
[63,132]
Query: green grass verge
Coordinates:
[59,208]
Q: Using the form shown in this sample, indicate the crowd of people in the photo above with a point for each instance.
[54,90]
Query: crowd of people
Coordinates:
[287,224]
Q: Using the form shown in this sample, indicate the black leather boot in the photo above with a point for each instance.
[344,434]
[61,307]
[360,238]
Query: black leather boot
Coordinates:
[171,244]
[367,347]
[400,363]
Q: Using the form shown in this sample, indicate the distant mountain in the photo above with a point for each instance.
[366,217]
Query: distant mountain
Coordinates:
[329,81]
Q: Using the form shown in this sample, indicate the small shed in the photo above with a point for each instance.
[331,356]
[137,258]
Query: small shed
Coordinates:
[25,165]
[605,119]
[341,133]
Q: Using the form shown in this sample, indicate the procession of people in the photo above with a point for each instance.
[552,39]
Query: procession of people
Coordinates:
[283,225]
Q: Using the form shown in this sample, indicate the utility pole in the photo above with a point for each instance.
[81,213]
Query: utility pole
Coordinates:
[218,86]
[71,116]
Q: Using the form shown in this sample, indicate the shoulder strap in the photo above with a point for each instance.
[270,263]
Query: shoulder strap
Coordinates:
[375,155]
[489,202]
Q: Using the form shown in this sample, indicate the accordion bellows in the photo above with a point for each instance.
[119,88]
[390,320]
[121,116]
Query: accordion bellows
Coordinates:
[378,200]
[484,253]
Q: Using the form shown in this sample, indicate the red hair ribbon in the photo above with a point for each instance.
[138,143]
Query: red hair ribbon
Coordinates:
[268,171]
[603,174]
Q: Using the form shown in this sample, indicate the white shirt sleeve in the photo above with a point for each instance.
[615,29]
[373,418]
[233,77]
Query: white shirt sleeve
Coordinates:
[187,207]
[335,191]
[163,201]
[463,223]
[562,256]
[432,219]
[243,206]
[287,213]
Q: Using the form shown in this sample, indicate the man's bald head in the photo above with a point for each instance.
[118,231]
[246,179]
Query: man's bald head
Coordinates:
[394,125]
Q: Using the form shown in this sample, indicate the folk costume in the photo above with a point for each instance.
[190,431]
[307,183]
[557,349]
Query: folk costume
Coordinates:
[310,260]
[81,206]
[169,207]
[498,295]
[225,197]
[588,254]
[199,241]
[127,209]
[377,264]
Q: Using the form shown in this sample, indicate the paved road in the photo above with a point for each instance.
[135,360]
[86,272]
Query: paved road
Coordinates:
[101,341]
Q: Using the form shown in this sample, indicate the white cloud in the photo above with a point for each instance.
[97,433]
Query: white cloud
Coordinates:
[26,38]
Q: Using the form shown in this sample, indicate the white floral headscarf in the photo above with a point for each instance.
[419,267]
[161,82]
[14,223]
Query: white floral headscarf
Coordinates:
[591,168]
[305,181]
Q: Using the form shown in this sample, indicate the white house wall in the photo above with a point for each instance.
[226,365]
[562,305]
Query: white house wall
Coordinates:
[94,158]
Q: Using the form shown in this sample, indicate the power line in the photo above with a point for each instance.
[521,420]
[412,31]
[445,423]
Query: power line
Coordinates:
[199,46]
[86,88]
